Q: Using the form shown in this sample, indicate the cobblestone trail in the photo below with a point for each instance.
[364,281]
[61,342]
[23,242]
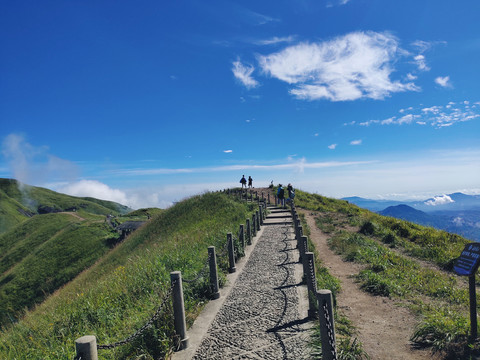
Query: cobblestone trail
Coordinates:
[260,318]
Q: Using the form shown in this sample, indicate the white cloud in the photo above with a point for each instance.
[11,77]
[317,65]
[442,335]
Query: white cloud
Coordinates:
[421,62]
[256,18]
[275,40]
[96,189]
[439,200]
[439,116]
[411,77]
[443,81]
[331,4]
[357,65]
[422,45]
[34,164]
[458,221]
[332,147]
[356,142]
[244,74]
[291,164]
[227,151]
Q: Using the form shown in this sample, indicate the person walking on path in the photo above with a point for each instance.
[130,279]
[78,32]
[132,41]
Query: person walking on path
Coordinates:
[281,195]
[243,181]
[291,192]
[250,180]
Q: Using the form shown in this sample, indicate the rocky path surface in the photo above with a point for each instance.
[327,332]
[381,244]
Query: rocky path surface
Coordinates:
[265,314]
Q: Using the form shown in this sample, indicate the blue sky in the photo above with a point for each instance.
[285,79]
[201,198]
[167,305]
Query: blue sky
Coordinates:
[148,102]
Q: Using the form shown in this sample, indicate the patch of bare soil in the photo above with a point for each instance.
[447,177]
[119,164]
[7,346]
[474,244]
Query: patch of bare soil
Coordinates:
[74,214]
[383,326]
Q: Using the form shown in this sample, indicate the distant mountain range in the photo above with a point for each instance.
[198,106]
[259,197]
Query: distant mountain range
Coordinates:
[457,213]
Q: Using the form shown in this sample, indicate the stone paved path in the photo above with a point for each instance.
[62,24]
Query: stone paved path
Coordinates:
[263,317]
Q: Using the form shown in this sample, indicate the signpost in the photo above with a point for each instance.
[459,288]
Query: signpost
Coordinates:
[467,265]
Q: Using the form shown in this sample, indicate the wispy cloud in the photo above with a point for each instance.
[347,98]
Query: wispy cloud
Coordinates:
[357,65]
[421,45]
[243,73]
[421,62]
[443,81]
[227,151]
[332,147]
[437,115]
[35,164]
[337,3]
[290,165]
[256,18]
[406,119]
[274,40]
[356,142]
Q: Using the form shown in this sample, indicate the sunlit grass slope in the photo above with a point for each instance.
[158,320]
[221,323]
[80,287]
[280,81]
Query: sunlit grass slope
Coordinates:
[44,253]
[122,291]
[17,199]
[405,261]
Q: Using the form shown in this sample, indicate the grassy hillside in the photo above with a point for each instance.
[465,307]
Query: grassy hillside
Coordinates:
[12,212]
[18,201]
[121,291]
[44,253]
[39,253]
[405,261]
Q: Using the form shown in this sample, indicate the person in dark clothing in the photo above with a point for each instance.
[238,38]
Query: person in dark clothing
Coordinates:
[280,195]
[243,181]
[291,193]
[250,181]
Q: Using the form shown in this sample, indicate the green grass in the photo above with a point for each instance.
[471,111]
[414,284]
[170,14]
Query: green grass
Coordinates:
[39,253]
[348,347]
[422,242]
[10,216]
[44,253]
[439,298]
[34,198]
[121,292]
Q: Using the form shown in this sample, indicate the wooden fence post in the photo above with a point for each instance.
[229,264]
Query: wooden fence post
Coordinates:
[327,325]
[303,249]
[303,257]
[254,225]
[213,272]
[257,218]
[249,232]
[260,210]
[241,236]
[179,309]
[86,347]
[231,253]
[311,284]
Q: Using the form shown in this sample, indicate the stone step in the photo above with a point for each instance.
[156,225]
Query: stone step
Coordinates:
[279,216]
[277,222]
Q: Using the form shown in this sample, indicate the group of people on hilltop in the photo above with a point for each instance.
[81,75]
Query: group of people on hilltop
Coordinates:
[243,181]
[280,190]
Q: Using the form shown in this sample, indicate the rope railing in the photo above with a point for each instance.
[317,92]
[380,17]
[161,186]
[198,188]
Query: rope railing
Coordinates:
[86,346]
[140,331]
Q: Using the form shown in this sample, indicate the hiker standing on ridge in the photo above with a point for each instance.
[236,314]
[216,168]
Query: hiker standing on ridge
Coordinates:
[281,195]
[250,180]
[291,192]
[243,181]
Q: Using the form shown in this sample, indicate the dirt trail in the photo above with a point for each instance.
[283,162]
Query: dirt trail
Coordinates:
[384,327]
